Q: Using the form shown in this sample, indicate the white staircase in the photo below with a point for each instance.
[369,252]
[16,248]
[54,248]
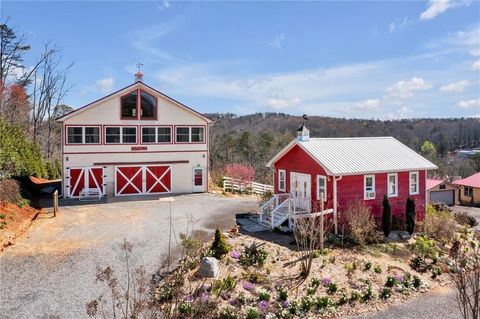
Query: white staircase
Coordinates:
[276,210]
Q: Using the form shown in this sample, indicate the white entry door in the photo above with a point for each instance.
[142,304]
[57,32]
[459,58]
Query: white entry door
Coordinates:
[198,179]
[301,190]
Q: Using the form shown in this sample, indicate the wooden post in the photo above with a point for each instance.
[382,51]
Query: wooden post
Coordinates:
[321,222]
[55,203]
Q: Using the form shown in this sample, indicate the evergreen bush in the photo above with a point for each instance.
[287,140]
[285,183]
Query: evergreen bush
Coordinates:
[386,217]
[410,214]
[219,246]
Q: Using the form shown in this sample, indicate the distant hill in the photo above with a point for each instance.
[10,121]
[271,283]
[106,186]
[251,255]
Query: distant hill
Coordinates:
[447,134]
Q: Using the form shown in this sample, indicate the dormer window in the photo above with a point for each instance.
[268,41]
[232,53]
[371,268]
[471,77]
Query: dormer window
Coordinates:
[138,104]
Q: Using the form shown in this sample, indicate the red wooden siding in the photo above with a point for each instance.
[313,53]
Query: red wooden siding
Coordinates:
[350,188]
[297,160]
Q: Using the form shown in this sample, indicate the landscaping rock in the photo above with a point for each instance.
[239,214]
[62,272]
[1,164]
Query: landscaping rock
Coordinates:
[208,267]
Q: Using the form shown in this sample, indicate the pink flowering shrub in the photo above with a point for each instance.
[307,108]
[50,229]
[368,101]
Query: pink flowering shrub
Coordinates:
[243,172]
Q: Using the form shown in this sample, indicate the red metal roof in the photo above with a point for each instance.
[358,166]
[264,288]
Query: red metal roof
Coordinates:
[471,181]
[431,183]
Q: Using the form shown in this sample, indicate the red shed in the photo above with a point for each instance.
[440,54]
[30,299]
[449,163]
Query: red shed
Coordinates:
[349,169]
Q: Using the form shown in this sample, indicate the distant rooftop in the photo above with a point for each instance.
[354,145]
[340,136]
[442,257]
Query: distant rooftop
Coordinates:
[471,181]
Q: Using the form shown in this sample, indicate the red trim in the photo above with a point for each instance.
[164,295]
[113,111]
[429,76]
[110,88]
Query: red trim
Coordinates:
[65,138]
[139,107]
[143,163]
[172,135]
[131,85]
[190,134]
[139,148]
[120,126]
[186,151]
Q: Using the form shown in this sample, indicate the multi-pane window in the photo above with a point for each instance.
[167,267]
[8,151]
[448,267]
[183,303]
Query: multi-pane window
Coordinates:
[468,191]
[156,134]
[83,135]
[281,180]
[197,134]
[392,185]
[75,135]
[137,103]
[322,187]
[129,135]
[369,187]
[414,183]
[193,134]
[92,135]
[118,135]
[129,105]
[182,134]
[164,135]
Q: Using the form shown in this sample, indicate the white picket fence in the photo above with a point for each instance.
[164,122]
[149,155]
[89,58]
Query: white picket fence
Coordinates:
[236,185]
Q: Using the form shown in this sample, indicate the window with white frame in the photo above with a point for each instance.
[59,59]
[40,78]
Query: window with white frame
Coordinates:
[369,187]
[392,185]
[83,135]
[281,180]
[467,191]
[187,134]
[322,187]
[158,134]
[120,135]
[414,189]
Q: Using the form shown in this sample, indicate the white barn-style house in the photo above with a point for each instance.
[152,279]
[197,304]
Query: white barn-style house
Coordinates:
[135,141]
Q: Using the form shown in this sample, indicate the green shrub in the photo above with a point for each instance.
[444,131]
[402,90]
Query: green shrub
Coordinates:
[324,302]
[264,296]
[185,308]
[385,293]
[226,284]
[23,202]
[355,295]
[253,255]
[417,282]
[2,216]
[251,313]
[425,247]
[439,224]
[219,246]
[367,266]
[386,217]
[410,214]
[306,303]
[377,269]
[436,271]
[463,218]
[282,294]
[390,282]
[332,288]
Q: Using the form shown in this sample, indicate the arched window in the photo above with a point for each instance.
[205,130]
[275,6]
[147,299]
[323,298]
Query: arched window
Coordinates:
[138,104]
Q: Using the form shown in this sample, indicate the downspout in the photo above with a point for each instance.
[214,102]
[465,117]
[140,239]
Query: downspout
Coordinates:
[335,221]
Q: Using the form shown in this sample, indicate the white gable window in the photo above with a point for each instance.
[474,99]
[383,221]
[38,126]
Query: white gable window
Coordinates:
[322,187]
[414,189]
[83,135]
[281,180]
[369,187]
[392,185]
[137,103]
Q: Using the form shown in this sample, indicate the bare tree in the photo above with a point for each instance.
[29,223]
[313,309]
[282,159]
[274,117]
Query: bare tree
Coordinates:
[49,89]
[466,279]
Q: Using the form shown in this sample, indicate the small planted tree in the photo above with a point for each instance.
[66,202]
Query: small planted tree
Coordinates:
[410,214]
[219,246]
[386,216]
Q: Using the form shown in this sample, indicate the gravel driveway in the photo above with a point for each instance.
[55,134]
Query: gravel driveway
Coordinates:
[50,271]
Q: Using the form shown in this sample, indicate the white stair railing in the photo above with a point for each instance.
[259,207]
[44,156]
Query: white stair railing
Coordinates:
[280,204]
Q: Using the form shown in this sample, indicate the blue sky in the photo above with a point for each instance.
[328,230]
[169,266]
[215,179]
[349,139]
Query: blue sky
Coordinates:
[345,59]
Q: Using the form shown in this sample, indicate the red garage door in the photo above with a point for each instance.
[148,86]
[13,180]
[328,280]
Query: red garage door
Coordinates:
[144,179]
[79,178]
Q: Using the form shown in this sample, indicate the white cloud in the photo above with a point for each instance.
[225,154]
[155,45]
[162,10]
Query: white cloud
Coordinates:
[164,5]
[105,85]
[404,89]
[277,42]
[436,7]
[475,52]
[278,103]
[469,104]
[476,65]
[371,104]
[399,25]
[456,87]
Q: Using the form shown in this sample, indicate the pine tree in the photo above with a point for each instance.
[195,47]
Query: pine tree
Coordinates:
[410,214]
[386,217]
[219,246]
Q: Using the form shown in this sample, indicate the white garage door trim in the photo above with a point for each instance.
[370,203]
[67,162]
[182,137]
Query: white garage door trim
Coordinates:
[451,195]
[146,172]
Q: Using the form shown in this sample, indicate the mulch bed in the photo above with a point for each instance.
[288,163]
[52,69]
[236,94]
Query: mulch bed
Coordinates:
[14,220]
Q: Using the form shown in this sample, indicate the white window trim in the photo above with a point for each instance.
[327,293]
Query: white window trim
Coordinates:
[280,171]
[318,188]
[410,183]
[396,185]
[365,187]
[121,135]
[83,134]
[189,134]
[156,134]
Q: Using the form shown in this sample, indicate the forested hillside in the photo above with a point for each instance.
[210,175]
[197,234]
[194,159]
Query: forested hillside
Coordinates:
[254,139]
